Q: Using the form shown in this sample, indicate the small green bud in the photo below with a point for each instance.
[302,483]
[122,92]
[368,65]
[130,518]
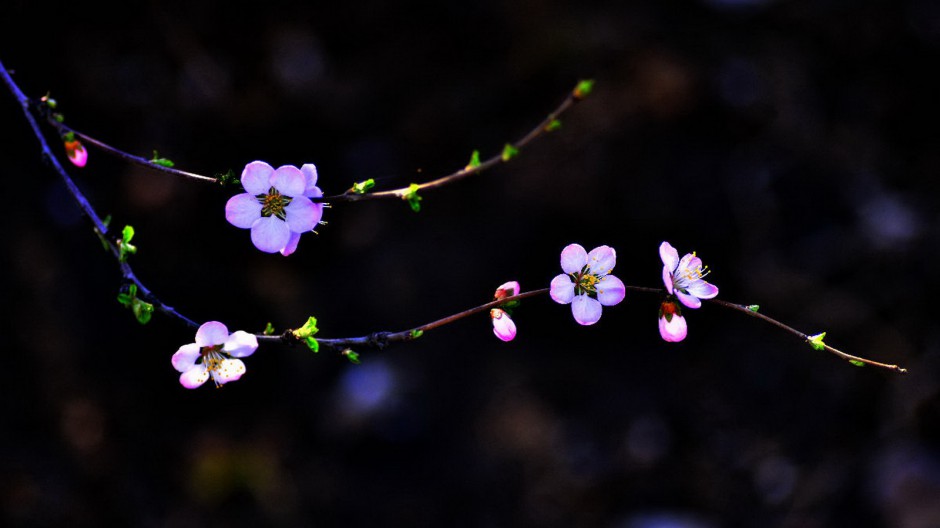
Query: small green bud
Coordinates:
[351,356]
[753,307]
[143,311]
[816,341]
[58,117]
[268,329]
[857,363]
[163,162]
[227,178]
[583,89]
[415,334]
[412,197]
[124,244]
[474,160]
[509,152]
[312,344]
[363,187]
[553,125]
[308,329]
[104,241]
[49,101]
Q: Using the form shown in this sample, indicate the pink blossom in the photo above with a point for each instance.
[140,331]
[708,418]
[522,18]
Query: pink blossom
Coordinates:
[76,152]
[683,278]
[672,325]
[214,354]
[276,205]
[586,283]
[503,325]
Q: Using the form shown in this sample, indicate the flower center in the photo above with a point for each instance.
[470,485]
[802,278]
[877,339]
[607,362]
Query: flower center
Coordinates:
[585,282]
[273,203]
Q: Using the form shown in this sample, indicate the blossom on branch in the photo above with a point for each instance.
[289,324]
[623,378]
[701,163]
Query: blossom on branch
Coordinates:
[503,325]
[276,205]
[672,326]
[214,354]
[76,152]
[587,283]
[683,281]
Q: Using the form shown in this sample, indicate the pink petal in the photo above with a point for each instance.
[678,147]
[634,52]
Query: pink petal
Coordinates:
[242,210]
[503,326]
[702,289]
[586,310]
[270,234]
[673,331]
[602,260]
[185,358]
[302,214]
[291,244]
[573,258]
[194,377]
[667,279]
[669,255]
[562,289]
[509,288]
[289,181]
[256,177]
[240,344]
[76,153]
[211,334]
[610,290]
[309,171]
[689,300]
[229,370]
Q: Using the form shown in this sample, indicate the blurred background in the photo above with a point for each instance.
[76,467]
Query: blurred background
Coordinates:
[792,144]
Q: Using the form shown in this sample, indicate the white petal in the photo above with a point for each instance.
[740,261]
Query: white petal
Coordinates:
[185,358]
[610,290]
[689,300]
[229,370]
[211,334]
[270,234]
[303,215]
[673,331]
[602,259]
[289,181]
[194,377]
[503,326]
[309,171]
[256,178]
[242,210]
[573,258]
[562,289]
[586,310]
[240,344]
[669,255]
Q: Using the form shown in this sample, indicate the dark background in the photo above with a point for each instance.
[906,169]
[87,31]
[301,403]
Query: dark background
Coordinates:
[793,144]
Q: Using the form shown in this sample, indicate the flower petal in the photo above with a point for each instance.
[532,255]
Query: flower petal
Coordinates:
[240,344]
[689,300]
[562,289]
[256,177]
[302,214]
[610,290]
[667,279]
[689,262]
[503,326]
[673,331]
[669,255]
[573,258]
[194,377]
[702,289]
[508,289]
[270,234]
[228,370]
[586,310]
[289,181]
[602,260]
[291,244]
[211,334]
[185,358]
[242,210]
[309,171]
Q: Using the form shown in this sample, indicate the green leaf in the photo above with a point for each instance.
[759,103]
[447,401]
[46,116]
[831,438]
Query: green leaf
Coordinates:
[268,329]
[124,244]
[857,363]
[753,307]
[312,344]
[553,125]
[363,187]
[509,152]
[143,311]
[415,334]
[101,237]
[584,89]
[351,356]
[816,341]
[414,201]
[474,160]
[163,162]
[308,329]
